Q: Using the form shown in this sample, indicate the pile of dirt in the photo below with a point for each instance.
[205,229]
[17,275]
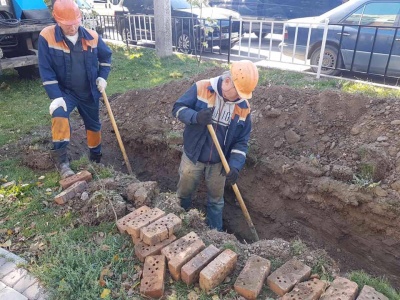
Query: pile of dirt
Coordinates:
[322,165]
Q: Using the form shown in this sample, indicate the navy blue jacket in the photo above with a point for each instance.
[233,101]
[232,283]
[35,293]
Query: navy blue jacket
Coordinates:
[55,62]
[204,94]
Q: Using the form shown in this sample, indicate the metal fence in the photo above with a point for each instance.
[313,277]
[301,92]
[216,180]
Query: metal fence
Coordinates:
[372,50]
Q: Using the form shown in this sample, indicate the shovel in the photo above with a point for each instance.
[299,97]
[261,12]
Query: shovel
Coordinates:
[234,186]
[121,145]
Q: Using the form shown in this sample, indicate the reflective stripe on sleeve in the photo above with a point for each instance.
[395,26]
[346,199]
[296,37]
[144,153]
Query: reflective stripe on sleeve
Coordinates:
[239,152]
[50,82]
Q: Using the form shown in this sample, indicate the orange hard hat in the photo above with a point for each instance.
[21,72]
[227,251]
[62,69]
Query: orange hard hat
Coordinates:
[244,75]
[66,12]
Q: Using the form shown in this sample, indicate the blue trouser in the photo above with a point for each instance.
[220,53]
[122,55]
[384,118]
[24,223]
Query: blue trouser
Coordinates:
[190,175]
[61,129]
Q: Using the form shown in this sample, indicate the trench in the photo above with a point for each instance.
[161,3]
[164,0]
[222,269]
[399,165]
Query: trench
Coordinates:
[283,206]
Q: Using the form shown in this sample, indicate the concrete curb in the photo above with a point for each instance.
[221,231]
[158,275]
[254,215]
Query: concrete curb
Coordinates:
[15,282]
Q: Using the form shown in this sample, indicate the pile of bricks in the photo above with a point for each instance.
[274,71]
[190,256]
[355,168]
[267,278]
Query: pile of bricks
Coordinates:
[72,186]
[188,259]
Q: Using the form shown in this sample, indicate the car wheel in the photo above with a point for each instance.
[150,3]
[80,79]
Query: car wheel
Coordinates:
[329,61]
[263,35]
[184,42]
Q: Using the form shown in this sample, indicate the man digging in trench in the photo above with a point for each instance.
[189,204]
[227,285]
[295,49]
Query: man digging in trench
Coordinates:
[74,64]
[222,102]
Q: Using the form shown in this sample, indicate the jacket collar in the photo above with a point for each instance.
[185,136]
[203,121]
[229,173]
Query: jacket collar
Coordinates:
[83,33]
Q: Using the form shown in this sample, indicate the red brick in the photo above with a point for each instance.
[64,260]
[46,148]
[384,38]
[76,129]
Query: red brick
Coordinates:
[121,223]
[135,240]
[217,270]
[341,288]
[176,263]
[309,290]
[191,270]
[368,293]
[250,281]
[133,226]
[142,250]
[179,245]
[81,176]
[71,192]
[287,276]
[152,283]
[160,230]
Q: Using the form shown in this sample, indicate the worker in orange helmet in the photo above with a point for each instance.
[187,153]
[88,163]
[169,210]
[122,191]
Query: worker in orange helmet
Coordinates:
[74,64]
[222,102]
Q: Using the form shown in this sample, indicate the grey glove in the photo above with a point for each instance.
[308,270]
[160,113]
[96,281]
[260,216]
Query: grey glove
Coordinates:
[204,116]
[232,176]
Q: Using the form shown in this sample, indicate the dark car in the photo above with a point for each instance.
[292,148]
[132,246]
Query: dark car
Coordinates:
[363,36]
[192,26]
[274,10]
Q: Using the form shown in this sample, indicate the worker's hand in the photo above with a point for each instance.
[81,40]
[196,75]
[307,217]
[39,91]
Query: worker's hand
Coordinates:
[204,116]
[56,103]
[232,176]
[101,84]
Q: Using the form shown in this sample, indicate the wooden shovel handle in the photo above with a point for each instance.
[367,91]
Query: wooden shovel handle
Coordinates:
[115,127]
[234,186]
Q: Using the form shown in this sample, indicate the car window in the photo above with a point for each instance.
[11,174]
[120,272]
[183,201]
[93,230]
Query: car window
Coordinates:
[182,4]
[83,4]
[375,14]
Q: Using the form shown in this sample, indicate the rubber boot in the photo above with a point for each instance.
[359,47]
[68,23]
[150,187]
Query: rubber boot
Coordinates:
[95,157]
[62,163]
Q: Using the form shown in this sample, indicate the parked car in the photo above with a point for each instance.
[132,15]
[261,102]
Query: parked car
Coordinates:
[274,10]
[191,25]
[107,7]
[363,36]
[89,19]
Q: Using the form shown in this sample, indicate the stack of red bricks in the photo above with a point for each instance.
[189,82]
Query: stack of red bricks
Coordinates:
[188,259]
[72,186]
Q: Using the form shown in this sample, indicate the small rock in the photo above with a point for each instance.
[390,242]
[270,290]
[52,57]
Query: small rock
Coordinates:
[278,144]
[84,196]
[380,192]
[41,177]
[382,138]
[355,130]
[292,137]
[8,184]
[395,122]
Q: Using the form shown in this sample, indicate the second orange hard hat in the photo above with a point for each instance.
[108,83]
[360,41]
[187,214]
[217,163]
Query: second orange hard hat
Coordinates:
[244,74]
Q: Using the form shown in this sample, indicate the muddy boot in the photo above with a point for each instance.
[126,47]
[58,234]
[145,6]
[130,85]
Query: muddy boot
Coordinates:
[95,157]
[62,163]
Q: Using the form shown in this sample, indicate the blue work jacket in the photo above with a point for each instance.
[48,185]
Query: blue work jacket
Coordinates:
[55,61]
[234,143]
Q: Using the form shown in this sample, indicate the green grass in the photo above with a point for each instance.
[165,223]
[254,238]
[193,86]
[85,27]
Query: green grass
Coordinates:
[25,104]
[379,284]
[73,262]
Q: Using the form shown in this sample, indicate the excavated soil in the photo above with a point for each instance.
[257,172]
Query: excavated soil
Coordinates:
[322,166]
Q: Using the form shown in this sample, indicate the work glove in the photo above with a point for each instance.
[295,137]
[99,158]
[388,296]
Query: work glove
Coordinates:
[101,84]
[56,103]
[204,116]
[232,176]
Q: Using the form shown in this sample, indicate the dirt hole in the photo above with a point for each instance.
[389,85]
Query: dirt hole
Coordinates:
[322,166]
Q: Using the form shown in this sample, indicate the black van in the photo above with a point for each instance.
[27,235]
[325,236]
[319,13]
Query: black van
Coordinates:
[192,26]
[276,10]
